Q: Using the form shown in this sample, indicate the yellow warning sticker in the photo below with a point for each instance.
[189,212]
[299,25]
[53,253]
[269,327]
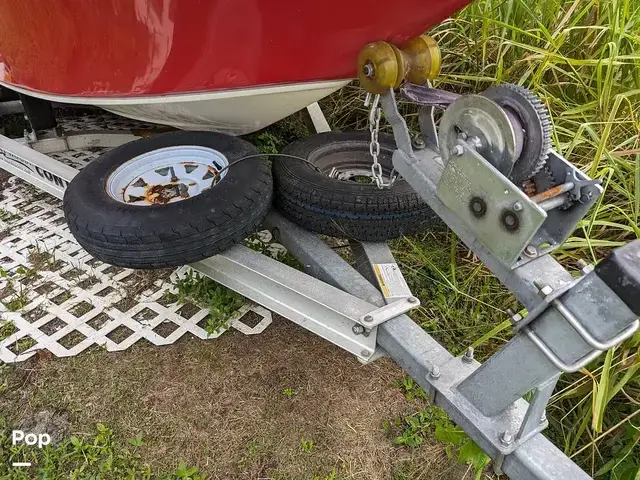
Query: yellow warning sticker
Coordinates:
[392,283]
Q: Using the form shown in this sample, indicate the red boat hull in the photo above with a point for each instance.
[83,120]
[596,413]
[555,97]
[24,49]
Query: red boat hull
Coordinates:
[124,48]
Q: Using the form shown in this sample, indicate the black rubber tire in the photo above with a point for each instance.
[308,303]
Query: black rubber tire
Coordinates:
[174,234]
[341,208]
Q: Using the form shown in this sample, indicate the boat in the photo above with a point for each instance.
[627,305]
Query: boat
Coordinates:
[227,66]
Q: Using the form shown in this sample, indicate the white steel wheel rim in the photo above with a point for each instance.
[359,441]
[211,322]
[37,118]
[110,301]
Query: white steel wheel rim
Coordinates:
[167,175]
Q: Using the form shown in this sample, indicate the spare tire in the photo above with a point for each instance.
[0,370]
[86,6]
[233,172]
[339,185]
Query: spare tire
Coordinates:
[339,197]
[158,202]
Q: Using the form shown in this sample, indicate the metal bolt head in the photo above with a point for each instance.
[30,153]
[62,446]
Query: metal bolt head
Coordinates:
[365,353]
[368,70]
[418,142]
[531,251]
[463,135]
[357,329]
[475,142]
[517,207]
[506,438]
[457,150]
[434,372]
[468,355]
[584,267]
[513,317]
[412,300]
[368,318]
[543,419]
[543,289]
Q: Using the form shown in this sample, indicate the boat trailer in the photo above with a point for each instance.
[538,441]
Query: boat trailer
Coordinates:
[570,321]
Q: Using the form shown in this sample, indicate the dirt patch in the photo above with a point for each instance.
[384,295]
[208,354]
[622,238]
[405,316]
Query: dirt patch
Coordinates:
[141,280]
[55,424]
[220,405]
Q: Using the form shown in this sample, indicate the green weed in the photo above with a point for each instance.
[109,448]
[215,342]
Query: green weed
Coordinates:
[221,302]
[411,389]
[87,457]
[289,392]
[414,429]
[306,445]
[8,217]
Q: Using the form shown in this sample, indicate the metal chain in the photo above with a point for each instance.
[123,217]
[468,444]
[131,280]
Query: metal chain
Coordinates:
[375,113]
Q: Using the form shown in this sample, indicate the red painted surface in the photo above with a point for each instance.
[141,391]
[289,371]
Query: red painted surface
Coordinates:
[144,47]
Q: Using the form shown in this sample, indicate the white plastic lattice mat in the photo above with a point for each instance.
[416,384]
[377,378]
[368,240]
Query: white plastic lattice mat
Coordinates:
[56,297]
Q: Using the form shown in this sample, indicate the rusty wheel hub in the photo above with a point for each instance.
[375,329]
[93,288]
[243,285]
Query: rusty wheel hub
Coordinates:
[167,175]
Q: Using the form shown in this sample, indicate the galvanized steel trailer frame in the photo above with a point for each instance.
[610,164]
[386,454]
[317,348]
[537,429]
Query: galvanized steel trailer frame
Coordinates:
[345,305]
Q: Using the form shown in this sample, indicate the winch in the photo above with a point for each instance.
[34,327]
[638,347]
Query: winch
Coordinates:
[499,175]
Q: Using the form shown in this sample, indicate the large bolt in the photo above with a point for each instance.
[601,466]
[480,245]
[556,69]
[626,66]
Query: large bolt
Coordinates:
[418,142]
[531,251]
[458,150]
[468,355]
[434,372]
[543,289]
[506,438]
[357,329]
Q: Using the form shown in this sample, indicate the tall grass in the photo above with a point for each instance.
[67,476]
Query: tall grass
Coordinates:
[582,57]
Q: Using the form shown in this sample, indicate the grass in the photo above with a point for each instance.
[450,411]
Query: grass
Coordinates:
[582,57]
[221,302]
[93,455]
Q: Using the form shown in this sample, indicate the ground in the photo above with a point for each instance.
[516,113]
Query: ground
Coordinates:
[237,407]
